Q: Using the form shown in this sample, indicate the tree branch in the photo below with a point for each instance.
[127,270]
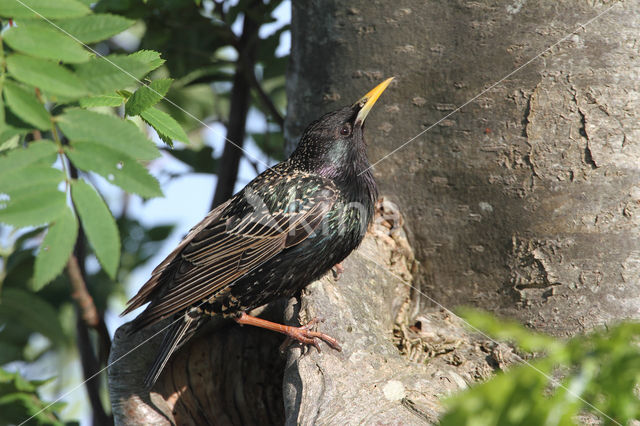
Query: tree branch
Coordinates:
[229,374]
[87,308]
[240,100]
[88,316]
[80,293]
[90,365]
[264,98]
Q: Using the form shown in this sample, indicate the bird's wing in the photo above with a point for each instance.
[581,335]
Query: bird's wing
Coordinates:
[231,242]
[145,293]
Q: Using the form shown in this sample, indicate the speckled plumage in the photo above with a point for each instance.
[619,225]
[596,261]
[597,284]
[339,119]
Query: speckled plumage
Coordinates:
[285,229]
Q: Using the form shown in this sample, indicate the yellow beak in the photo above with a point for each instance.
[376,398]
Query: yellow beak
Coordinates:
[367,101]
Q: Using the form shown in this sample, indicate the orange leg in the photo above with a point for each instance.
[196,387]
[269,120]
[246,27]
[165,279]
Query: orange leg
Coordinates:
[302,334]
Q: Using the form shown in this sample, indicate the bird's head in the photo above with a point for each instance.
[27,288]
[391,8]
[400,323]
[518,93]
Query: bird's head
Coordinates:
[334,145]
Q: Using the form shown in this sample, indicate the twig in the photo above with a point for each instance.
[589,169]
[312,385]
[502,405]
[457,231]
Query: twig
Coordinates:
[81,294]
[254,164]
[87,307]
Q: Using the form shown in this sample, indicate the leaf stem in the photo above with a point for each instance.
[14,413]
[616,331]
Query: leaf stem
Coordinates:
[58,141]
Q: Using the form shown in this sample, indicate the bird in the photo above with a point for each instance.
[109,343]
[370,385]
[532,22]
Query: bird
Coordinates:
[285,229]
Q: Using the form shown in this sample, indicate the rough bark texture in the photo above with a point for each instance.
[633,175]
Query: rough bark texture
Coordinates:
[226,375]
[526,202]
[370,381]
[236,375]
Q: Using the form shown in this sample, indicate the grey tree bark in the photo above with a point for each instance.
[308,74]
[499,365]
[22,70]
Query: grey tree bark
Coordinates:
[231,375]
[526,201]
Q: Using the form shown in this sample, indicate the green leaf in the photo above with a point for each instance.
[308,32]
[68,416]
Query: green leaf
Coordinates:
[116,133]
[98,224]
[29,178]
[216,72]
[40,152]
[33,208]
[198,100]
[95,27]
[508,330]
[117,167]
[25,105]
[141,242]
[168,129]
[8,143]
[46,75]
[113,72]
[55,249]
[45,42]
[101,101]
[150,58]
[38,8]
[33,311]
[147,96]
[17,405]
[15,124]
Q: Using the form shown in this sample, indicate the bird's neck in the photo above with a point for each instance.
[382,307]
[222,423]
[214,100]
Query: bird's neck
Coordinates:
[357,185]
[349,170]
[364,192]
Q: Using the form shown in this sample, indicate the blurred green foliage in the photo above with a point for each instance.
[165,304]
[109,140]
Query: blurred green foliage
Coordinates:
[57,107]
[199,45]
[19,400]
[595,374]
[67,116]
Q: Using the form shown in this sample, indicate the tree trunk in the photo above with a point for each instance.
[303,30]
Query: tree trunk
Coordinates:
[526,201]
[232,375]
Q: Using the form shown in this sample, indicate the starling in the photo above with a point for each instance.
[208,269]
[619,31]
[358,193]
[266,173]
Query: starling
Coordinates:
[288,227]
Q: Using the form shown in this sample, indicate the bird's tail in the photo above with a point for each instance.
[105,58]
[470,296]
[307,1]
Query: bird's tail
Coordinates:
[179,332]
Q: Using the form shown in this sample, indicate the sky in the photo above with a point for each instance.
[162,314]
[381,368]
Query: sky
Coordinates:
[187,200]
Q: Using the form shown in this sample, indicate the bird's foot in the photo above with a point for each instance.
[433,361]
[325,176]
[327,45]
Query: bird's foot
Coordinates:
[303,334]
[337,271]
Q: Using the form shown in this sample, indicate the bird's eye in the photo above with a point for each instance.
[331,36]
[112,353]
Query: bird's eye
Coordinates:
[345,130]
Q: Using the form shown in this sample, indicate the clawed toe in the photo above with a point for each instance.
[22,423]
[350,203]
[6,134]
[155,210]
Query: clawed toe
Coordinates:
[305,335]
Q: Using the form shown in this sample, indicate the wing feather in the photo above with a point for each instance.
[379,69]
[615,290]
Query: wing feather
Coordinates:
[150,287]
[224,247]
